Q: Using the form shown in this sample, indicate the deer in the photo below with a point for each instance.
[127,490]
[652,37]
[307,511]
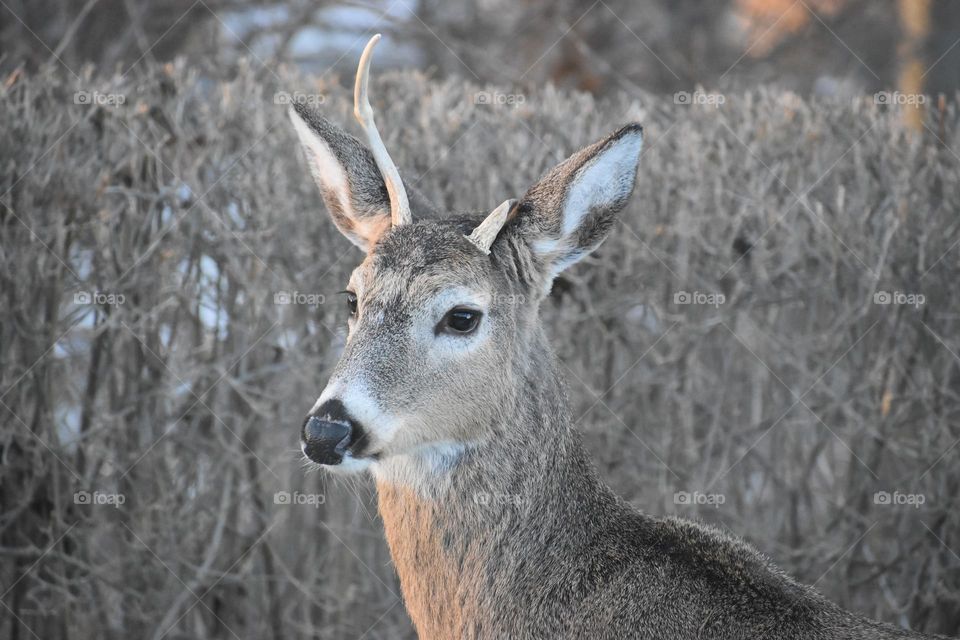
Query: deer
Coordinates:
[449,394]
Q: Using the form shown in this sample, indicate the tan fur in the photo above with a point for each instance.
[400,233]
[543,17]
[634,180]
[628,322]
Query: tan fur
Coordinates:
[441,604]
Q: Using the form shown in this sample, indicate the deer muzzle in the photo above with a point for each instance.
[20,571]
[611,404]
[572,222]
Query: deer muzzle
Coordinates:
[325,441]
[330,433]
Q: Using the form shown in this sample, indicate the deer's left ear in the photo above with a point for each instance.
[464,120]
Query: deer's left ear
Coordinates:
[570,211]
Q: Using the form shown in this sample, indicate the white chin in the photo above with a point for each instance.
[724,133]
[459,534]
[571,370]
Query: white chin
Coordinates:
[347,466]
[350,465]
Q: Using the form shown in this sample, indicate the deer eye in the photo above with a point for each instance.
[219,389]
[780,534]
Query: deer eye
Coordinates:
[459,321]
[351,302]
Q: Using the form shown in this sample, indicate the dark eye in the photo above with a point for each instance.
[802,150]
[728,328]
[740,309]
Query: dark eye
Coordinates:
[351,302]
[459,321]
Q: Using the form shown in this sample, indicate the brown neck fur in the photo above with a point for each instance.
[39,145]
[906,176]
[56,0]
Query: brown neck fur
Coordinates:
[462,539]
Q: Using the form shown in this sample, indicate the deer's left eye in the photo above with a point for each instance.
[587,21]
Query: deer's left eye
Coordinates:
[351,302]
[459,321]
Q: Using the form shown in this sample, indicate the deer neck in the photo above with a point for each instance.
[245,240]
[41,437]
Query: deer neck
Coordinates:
[463,523]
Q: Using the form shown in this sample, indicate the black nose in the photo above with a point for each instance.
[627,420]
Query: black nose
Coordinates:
[325,441]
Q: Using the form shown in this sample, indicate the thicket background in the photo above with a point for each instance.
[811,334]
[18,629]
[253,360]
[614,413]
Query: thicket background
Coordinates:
[147,355]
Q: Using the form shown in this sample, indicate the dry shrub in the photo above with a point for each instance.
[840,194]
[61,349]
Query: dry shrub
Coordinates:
[185,214]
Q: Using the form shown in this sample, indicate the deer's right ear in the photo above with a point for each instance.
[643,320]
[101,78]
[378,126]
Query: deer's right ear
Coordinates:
[349,180]
[570,210]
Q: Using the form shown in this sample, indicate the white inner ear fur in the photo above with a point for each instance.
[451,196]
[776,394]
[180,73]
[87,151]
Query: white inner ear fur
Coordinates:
[603,182]
[330,176]
[326,169]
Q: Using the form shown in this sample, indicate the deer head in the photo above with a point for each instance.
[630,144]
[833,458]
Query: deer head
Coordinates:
[442,307]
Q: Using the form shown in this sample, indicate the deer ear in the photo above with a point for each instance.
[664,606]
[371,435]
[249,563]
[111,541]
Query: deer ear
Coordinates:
[570,211]
[350,182]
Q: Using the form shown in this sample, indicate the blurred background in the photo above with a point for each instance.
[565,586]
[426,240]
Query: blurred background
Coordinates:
[768,342]
[823,47]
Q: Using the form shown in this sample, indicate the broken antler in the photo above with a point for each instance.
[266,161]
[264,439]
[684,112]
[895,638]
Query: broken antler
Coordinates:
[487,231]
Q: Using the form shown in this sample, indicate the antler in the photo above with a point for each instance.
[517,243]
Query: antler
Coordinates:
[399,205]
[486,232]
